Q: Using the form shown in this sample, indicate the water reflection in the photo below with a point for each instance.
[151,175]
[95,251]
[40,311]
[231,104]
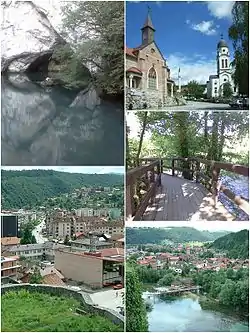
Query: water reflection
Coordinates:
[41,126]
[187,315]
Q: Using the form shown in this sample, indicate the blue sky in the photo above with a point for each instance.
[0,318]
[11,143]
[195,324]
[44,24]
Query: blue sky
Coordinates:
[74,169]
[187,33]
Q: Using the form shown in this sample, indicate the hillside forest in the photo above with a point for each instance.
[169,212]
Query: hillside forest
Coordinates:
[218,136]
[136,236]
[31,188]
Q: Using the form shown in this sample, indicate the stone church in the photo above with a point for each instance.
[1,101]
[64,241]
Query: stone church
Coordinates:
[147,74]
[224,72]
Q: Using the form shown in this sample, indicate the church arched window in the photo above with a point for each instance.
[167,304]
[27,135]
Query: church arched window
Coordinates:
[226,63]
[222,63]
[152,84]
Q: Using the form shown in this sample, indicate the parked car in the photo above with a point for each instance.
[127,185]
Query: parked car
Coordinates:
[237,103]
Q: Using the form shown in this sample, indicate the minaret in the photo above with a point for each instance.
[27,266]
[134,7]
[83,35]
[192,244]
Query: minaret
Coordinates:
[148,30]
[179,80]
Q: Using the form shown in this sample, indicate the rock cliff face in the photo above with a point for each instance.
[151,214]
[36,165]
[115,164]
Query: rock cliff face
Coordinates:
[28,36]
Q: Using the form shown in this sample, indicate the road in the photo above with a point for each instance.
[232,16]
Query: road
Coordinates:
[196,106]
[110,299]
[37,232]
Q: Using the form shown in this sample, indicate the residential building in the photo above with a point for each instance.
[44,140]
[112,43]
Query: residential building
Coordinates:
[96,269]
[8,242]
[9,267]
[9,225]
[59,224]
[36,251]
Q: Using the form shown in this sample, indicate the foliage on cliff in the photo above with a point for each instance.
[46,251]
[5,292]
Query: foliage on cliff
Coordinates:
[97,33]
[175,234]
[31,187]
[235,244]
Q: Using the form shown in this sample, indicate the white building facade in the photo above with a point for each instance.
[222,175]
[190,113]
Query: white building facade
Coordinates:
[224,73]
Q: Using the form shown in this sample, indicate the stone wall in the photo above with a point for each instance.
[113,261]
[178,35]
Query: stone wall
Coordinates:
[84,299]
[137,99]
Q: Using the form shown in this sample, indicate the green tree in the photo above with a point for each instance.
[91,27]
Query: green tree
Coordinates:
[239,34]
[226,295]
[136,315]
[66,240]
[100,39]
[195,89]
[227,90]
[167,279]
[36,277]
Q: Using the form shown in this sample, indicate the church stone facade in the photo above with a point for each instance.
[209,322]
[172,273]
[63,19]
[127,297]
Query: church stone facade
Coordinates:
[147,74]
[224,72]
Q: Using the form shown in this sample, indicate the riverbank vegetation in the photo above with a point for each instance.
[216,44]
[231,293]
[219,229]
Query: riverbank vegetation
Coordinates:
[26,312]
[219,136]
[136,314]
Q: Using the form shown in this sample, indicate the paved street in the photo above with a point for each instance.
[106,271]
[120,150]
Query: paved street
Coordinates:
[108,299]
[196,106]
[37,232]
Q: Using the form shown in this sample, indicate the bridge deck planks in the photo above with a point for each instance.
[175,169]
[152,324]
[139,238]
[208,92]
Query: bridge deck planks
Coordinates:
[179,199]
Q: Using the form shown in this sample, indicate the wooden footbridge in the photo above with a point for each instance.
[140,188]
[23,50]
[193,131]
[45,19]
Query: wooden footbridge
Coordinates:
[174,291]
[186,189]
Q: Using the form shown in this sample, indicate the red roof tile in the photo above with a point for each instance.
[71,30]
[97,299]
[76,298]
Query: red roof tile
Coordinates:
[53,279]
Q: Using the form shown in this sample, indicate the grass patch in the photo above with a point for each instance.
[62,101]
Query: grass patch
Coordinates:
[37,312]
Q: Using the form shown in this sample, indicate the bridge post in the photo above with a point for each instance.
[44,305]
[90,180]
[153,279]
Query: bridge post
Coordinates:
[173,173]
[159,172]
[215,184]
[129,200]
[198,169]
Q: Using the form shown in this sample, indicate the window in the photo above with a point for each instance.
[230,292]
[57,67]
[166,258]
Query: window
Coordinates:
[215,90]
[226,63]
[215,83]
[222,63]
[225,80]
[152,50]
[234,89]
[152,78]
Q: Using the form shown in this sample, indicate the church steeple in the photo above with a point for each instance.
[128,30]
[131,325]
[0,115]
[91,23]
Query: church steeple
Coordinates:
[148,29]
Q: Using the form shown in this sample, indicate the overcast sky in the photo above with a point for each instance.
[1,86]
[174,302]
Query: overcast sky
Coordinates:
[73,169]
[210,226]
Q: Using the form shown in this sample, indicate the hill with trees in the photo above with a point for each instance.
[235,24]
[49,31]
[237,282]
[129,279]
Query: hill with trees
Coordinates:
[29,188]
[236,244]
[136,236]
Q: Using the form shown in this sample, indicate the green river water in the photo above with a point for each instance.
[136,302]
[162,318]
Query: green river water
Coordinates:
[187,315]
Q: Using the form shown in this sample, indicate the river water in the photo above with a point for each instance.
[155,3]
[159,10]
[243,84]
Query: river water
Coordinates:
[187,315]
[239,185]
[43,126]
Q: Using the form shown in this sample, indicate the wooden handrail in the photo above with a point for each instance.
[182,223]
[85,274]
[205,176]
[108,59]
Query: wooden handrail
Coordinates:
[150,176]
[213,183]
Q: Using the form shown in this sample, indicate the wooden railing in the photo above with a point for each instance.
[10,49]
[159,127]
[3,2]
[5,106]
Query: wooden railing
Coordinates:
[206,172]
[141,186]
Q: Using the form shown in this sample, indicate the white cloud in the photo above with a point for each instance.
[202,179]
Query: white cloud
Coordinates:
[220,9]
[205,27]
[198,67]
